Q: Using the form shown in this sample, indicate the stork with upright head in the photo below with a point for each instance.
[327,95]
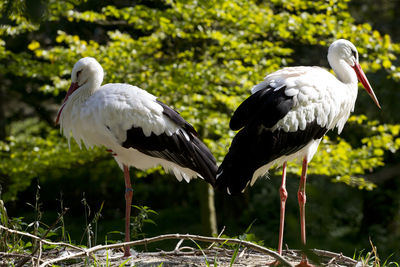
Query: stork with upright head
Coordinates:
[286,117]
[131,123]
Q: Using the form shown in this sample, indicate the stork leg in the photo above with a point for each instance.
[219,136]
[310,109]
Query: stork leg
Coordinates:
[301,195]
[283,195]
[128,203]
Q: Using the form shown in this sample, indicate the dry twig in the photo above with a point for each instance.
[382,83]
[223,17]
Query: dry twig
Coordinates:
[148,241]
[24,260]
[62,244]
[329,254]
[179,250]
[175,236]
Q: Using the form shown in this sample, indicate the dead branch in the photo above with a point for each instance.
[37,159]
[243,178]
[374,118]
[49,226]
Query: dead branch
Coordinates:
[219,235]
[40,253]
[23,261]
[14,255]
[18,255]
[324,253]
[146,241]
[179,250]
[40,239]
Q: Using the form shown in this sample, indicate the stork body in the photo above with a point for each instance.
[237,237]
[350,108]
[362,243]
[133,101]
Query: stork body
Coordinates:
[286,117]
[131,123]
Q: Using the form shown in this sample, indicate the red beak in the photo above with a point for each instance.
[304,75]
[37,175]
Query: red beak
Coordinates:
[71,89]
[364,81]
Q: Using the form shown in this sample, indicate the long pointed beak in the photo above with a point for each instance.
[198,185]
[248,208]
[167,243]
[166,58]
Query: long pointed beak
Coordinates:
[71,89]
[364,81]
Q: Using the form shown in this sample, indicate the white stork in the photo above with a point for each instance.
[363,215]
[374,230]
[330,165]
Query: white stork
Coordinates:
[286,117]
[131,123]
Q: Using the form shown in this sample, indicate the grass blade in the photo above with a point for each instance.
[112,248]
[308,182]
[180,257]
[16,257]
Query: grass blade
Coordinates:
[202,251]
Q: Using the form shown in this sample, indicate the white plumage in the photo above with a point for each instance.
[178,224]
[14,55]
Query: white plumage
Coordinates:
[138,129]
[286,117]
[317,96]
[120,107]
[103,116]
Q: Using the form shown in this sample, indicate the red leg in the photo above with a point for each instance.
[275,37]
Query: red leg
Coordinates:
[283,195]
[112,152]
[128,203]
[301,195]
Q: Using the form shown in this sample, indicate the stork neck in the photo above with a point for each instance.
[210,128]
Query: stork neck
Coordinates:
[89,88]
[343,71]
[84,92]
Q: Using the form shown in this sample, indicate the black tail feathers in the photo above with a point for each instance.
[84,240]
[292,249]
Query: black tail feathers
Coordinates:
[204,160]
[234,174]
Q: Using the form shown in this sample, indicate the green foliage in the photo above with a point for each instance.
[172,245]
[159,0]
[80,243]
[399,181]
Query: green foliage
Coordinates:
[12,242]
[140,220]
[34,150]
[90,233]
[372,258]
[351,163]
[201,57]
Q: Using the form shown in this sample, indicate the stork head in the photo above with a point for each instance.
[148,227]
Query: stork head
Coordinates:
[86,77]
[344,51]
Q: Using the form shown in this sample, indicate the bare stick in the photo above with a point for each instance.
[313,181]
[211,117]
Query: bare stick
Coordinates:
[175,236]
[329,254]
[178,244]
[15,255]
[40,253]
[219,235]
[332,254]
[23,261]
[42,240]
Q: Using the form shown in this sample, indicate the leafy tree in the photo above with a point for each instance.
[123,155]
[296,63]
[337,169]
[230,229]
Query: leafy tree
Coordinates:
[200,57]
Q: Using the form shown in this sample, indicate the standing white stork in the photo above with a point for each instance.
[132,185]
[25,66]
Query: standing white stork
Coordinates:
[131,123]
[286,117]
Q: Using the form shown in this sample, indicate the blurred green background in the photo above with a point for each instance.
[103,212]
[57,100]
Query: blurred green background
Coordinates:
[201,58]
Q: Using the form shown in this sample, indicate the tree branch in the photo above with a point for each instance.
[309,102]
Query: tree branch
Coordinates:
[85,252]
[40,239]
[23,261]
[324,253]
[148,241]
[176,236]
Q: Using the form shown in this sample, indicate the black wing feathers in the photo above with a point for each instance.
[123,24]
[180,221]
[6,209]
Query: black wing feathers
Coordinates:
[192,153]
[267,106]
[253,147]
[174,115]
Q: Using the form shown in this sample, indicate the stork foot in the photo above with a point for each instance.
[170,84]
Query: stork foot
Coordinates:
[304,263]
[127,252]
[275,263]
[112,152]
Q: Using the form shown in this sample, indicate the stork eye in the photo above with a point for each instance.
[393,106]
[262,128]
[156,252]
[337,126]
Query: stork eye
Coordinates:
[78,73]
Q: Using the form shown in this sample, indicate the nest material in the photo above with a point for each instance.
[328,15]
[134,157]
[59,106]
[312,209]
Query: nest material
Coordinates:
[242,253]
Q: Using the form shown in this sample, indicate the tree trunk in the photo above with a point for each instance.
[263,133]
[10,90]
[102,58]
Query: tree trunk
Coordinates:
[211,209]
[2,114]
[207,208]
